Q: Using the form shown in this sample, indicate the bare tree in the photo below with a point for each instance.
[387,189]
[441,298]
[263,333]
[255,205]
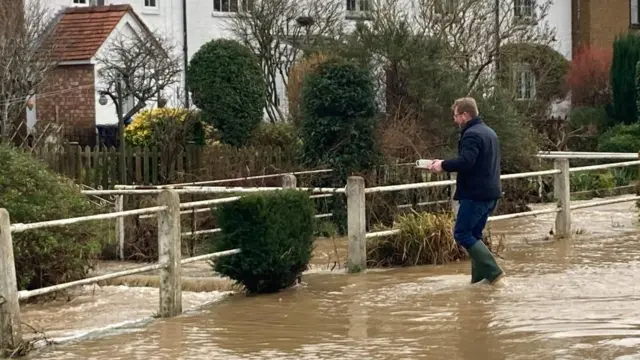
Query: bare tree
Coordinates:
[278,31]
[24,62]
[429,52]
[138,67]
[472,31]
[475,30]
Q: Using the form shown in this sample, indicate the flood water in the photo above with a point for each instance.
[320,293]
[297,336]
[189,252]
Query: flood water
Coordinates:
[577,299]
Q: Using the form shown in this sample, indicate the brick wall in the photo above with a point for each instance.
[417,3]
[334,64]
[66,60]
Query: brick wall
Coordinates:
[597,22]
[71,91]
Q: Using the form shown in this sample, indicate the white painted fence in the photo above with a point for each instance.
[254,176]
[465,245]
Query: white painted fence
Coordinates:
[356,199]
[288,181]
[169,261]
[169,209]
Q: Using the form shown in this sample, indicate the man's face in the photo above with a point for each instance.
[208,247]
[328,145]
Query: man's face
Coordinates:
[459,118]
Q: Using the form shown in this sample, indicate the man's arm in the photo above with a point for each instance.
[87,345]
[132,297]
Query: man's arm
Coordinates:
[466,158]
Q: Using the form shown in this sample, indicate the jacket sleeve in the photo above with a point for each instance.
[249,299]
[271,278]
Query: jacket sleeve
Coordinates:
[467,156]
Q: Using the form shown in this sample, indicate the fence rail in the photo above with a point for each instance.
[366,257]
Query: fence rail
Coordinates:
[24,227]
[168,214]
[356,202]
[169,262]
[586,155]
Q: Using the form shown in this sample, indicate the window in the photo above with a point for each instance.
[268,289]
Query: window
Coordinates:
[151,4]
[358,6]
[80,2]
[232,6]
[635,12]
[524,9]
[525,82]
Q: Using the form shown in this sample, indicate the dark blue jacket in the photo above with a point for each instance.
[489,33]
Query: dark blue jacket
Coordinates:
[477,164]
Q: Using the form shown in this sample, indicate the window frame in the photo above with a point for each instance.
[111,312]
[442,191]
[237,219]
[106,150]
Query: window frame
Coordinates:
[520,16]
[357,12]
[155,5]
[635,24]
[520,82]
[242,6]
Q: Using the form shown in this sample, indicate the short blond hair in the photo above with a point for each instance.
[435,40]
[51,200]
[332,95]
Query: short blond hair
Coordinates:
[466,105]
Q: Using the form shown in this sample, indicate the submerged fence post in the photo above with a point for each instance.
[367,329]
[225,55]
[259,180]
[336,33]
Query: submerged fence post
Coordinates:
[356,225]
[169,252]
[10,326]
[562,194]
[120,226]
[289,181]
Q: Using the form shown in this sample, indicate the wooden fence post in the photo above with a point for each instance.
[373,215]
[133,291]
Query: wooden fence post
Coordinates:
[638,180]
[356,225]
[453,203]
[289,181]
[562,194]
[540,183]
[10,326]
[169,251]
[120,226]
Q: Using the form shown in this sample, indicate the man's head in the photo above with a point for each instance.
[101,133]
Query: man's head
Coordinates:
[464,109]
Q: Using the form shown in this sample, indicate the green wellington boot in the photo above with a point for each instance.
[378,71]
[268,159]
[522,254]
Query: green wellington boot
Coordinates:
[476,276]
[485,264]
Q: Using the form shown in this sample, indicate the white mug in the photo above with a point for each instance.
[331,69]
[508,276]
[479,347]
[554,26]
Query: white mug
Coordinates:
[424,163]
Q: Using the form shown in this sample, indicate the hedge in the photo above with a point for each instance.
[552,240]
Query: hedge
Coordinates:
[274,230]
[227,84]
[32,193]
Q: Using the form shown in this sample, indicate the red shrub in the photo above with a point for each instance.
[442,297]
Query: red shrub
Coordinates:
[588,77]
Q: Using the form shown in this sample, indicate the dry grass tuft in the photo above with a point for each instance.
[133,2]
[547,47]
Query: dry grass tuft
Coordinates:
[425,238]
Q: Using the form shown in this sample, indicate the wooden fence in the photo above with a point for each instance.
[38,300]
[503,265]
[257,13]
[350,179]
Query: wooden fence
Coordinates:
[99,166]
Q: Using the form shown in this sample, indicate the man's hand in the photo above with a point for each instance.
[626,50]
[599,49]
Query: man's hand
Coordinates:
[436,166]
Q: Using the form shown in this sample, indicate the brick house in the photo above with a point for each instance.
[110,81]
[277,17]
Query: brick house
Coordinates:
[597,22]
[69,97]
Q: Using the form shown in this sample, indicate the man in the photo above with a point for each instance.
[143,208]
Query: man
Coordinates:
[477,187]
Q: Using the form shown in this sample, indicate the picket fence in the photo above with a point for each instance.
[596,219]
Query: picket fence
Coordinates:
[98,167]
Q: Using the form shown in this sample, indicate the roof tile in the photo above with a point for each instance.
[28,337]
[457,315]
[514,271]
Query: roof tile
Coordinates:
[81,31]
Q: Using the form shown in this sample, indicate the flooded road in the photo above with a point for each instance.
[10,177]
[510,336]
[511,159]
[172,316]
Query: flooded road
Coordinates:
[577,299]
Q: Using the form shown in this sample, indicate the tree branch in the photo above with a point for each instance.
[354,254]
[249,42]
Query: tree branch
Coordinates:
[145,64]
[271,31]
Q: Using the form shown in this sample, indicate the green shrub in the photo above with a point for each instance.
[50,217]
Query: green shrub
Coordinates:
[338,127]
[159,126]
[274,231]
[227,84]
[601,180]
[549,66]
[592,120]
[621,138]
[280,135]
[33,193]
[339,123]
[518,137]
[626,54]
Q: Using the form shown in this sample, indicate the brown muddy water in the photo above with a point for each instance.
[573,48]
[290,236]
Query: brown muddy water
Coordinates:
[577,299]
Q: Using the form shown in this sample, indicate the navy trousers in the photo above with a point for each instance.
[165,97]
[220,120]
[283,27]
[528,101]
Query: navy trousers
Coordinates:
[471,220]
